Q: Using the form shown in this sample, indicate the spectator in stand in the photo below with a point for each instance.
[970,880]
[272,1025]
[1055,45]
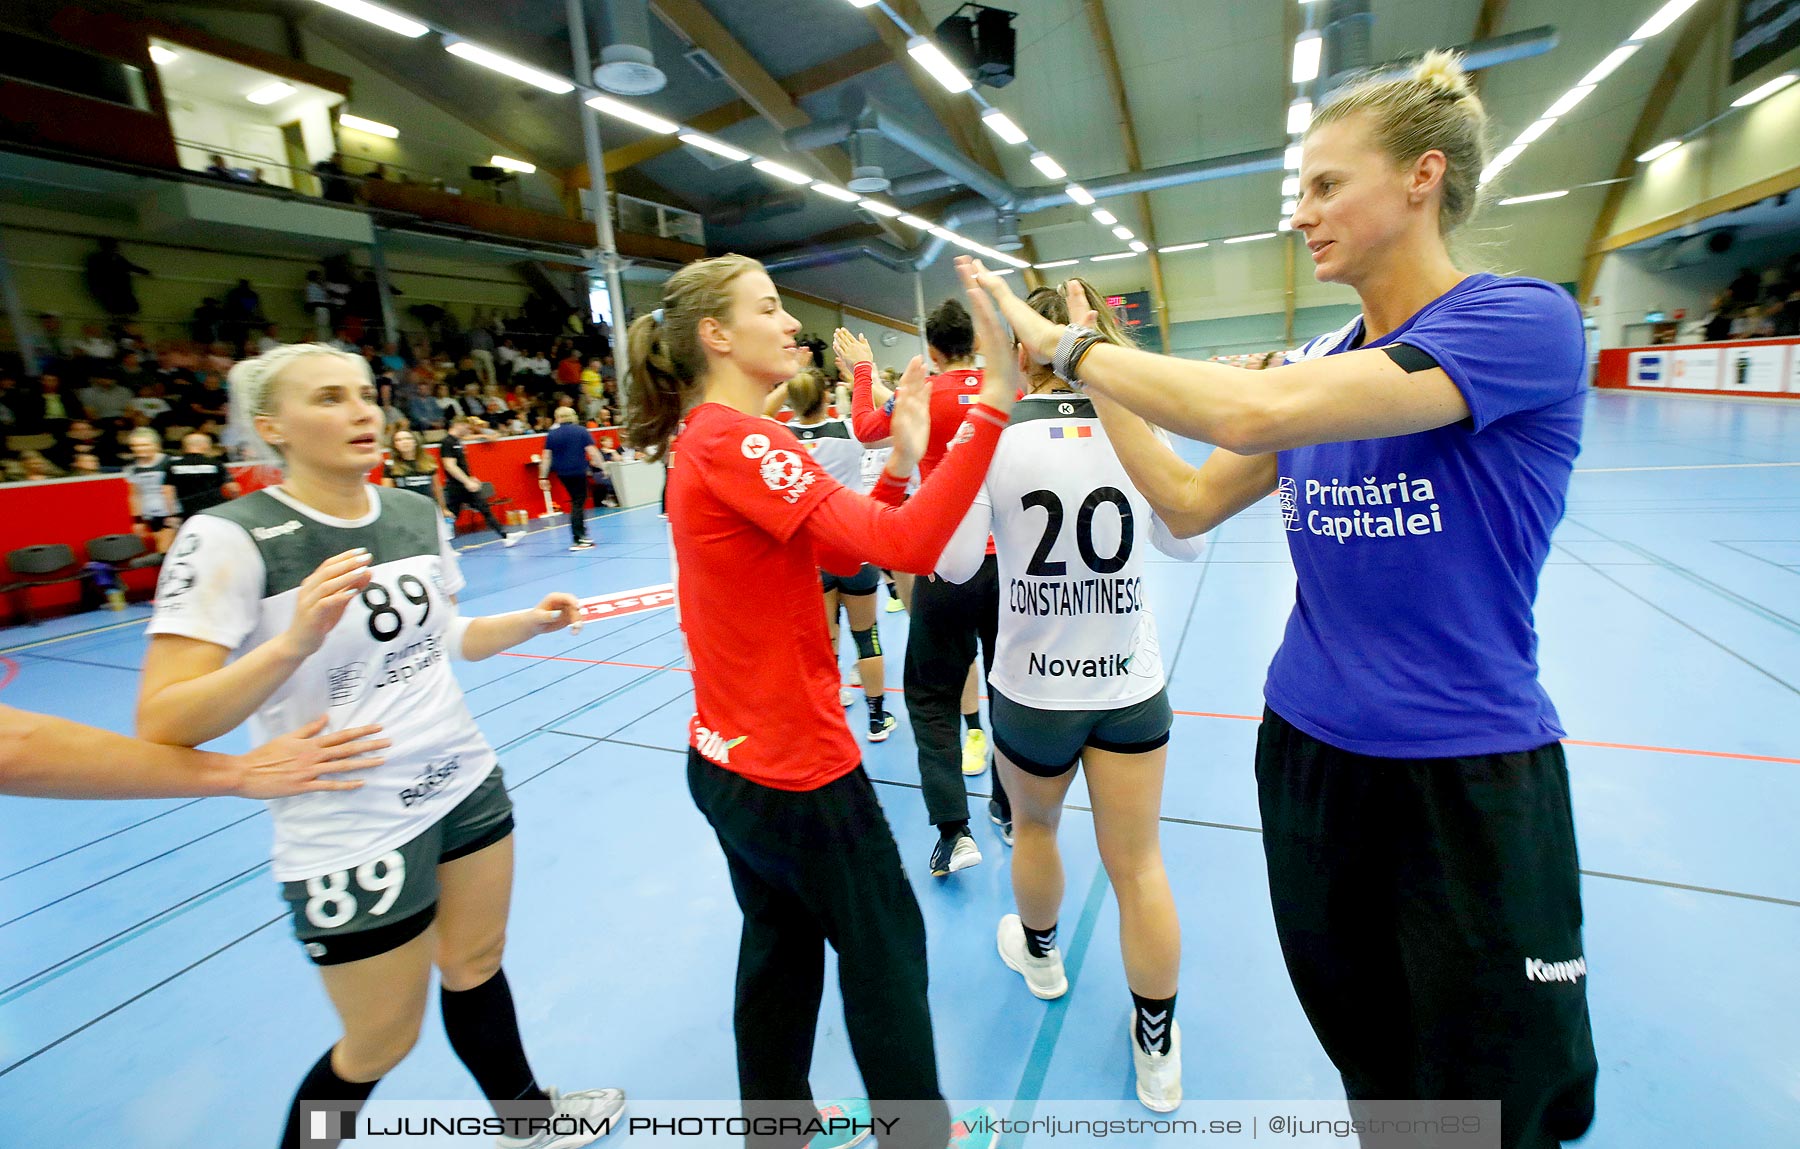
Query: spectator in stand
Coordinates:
[390,357]
[52,341]
[1746,289]
[473,404]
[507,356]
[318,304]
[420,407]
[243,312]
[568,371]
[131,372]
[218,169]
[103,399]
[199,476]
[96,344]
[270,338]
[109,275]
[149,402]
[481,350]
[449,405]
[334,181]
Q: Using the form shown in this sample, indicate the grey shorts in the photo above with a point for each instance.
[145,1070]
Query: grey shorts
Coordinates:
[865,581]
[384,903]
[1048,743]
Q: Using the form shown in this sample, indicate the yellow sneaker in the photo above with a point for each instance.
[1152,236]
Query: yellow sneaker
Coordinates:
[975,752]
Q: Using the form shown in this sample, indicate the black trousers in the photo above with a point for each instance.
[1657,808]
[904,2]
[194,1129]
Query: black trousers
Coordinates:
[457,496]
[577,487]
[811,867]
[1429,912]
[947,619]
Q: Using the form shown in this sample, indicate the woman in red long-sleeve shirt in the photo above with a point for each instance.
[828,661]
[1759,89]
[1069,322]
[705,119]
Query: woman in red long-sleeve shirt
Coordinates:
[771,763]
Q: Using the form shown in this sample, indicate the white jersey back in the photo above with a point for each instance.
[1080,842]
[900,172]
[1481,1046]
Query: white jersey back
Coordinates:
[1070,534]
[836,449]
[232,579]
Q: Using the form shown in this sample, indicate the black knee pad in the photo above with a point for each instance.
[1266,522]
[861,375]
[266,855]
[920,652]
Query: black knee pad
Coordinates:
[868,643]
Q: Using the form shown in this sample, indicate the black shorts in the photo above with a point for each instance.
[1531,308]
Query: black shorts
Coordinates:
[865,581]
[388,901]
[1048,743]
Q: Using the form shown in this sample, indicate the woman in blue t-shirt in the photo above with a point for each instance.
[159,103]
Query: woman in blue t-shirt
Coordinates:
[1414,797]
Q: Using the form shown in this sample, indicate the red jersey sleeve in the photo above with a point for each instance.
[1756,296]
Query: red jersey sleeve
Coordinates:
[758,469]
[869,423]
[910,537]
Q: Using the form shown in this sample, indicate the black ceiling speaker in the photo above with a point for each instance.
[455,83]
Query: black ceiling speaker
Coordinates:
[982,44]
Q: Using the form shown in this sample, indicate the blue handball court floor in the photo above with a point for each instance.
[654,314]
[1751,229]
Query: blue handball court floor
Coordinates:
[151,994]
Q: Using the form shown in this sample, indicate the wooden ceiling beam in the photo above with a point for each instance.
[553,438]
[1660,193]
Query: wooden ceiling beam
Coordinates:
[1115,80]
[691,20]
[957,115]
[1697,25]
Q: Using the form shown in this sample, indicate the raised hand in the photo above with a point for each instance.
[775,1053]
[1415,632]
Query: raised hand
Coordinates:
[1000,370]
[1038,334]
[322,598]
[910,428]
[851,349]
[294,763]
[1081,308]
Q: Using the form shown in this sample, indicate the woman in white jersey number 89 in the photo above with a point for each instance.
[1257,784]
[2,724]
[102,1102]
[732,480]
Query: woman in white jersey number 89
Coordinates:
[1078,680]
[330,595]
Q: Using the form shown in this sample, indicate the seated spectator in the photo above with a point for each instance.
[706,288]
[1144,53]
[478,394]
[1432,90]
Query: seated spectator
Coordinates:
[32,467]
[219,169]
[95,344]
[103,399]
[270,338]
[150,402]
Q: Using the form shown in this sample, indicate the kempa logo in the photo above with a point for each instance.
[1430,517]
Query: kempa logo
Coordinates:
[715,746]
[264,534]
[1286,492]
[1569,971]
[1111,666]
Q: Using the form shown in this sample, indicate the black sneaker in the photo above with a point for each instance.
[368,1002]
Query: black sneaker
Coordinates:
[1000,818]
[583,545]
[880,726]
[957,852]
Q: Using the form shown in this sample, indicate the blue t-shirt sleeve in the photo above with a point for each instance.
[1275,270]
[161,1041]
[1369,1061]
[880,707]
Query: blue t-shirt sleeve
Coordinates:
[1514,346]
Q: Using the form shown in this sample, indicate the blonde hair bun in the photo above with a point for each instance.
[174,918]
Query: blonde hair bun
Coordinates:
[1443,71]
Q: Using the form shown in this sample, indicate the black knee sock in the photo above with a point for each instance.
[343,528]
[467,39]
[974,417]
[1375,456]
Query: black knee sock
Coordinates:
[973,721]
[484,1031]
[323,1084]
[1155,1026]
[877,705]
[1039,943]
[952,829]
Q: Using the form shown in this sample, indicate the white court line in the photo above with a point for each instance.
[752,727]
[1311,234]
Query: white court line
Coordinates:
[1686,467]
[615,512]
[74,634]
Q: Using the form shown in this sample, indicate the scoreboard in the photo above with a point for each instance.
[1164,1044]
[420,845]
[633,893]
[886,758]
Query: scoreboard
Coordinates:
[1132,308]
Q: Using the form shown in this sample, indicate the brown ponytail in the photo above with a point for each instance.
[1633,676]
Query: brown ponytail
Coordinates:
[667,362]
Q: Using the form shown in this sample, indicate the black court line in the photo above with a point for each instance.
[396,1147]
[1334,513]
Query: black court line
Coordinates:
[102,838]
[1731,545]
[134,866]
[82,662]
[1700,580]
[1683,623]
[4,990]
[140,995]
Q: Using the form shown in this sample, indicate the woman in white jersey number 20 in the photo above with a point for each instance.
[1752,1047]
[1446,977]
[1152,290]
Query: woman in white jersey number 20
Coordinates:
[1078,680]
[329,595]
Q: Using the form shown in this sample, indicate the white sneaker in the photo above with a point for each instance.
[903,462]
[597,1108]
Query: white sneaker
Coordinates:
[847,695]
[511,540]
[1158,1074]
[588,1110]
[856,674]
[1043,976]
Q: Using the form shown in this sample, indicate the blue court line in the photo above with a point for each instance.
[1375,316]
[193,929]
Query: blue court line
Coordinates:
[1037,1063]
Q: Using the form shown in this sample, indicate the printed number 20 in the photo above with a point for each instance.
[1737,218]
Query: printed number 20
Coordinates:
[330,904]
[380,602]
[1041,565]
